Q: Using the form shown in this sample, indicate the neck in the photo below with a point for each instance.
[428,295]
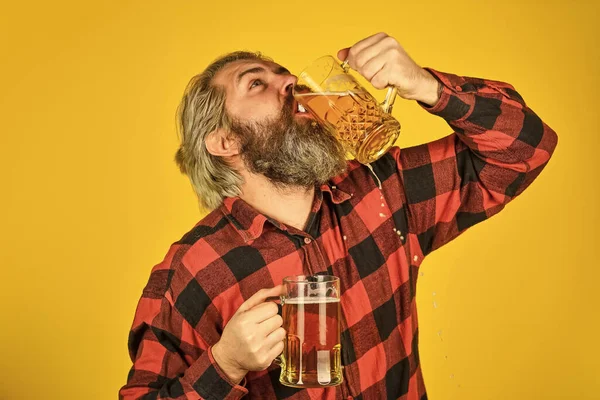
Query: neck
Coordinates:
[290,205]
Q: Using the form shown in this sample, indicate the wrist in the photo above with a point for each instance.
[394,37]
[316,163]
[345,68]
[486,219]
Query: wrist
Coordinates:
[228,366]
[429,91]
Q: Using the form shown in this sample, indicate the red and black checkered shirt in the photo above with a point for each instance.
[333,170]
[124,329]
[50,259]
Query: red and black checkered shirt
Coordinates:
[372,229]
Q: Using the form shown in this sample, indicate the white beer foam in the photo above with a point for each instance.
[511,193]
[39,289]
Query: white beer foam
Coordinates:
[311,300]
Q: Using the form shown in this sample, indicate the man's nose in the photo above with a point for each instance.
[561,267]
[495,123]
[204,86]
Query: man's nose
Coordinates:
[287,84]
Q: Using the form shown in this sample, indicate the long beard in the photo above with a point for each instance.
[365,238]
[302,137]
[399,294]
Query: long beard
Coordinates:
[290,152]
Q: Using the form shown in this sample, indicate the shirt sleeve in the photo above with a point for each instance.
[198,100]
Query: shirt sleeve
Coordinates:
[499,146]
[171,360]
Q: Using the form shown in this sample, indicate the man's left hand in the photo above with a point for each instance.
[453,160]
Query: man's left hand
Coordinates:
[383,62]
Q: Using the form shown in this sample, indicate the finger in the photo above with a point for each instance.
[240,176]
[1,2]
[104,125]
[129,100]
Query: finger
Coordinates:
[381,79]
[270,325]
[372,67]
[276,350]
[363,44]
[379,49]
[260,297]
[343,54]
[273,340]
[261,312]
[358,46]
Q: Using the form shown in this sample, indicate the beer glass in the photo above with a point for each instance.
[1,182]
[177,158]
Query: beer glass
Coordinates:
[311,317]
[365,128]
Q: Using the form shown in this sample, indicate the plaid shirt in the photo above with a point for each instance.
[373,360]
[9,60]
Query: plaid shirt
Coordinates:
[372,229]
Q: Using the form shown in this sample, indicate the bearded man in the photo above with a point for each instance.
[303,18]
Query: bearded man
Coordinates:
[284,201]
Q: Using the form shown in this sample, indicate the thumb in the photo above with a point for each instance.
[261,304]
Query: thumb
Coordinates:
[342,55]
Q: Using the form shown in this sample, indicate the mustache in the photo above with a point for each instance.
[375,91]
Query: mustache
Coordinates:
[288,106]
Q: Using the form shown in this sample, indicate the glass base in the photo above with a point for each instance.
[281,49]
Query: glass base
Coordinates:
[378,141]
[312,383]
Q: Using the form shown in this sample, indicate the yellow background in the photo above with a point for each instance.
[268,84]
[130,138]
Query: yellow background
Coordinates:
[91,198]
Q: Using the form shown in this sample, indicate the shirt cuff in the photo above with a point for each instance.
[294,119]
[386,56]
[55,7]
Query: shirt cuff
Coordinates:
[454,87]
[207,378]
[240,386]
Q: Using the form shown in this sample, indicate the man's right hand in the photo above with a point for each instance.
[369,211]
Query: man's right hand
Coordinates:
[253,337]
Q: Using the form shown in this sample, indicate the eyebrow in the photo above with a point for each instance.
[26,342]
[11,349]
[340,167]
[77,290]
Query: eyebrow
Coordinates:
[279,71]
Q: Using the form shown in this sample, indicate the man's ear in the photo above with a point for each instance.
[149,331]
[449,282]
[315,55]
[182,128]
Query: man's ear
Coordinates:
[220,143]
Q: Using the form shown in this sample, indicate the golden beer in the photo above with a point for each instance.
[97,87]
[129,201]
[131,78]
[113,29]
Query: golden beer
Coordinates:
[365,128]
[311,355]
[358,122]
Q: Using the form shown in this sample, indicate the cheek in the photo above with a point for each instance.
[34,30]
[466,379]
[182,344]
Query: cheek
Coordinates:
[257,110]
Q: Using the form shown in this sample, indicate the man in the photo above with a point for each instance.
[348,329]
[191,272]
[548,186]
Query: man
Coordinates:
[285,202]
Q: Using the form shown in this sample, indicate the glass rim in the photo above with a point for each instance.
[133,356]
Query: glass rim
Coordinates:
[315,61]
[310,279]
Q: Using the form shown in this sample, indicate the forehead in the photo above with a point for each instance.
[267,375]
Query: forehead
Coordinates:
[228,75]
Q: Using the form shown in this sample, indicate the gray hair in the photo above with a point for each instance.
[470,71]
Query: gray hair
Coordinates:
[200,112]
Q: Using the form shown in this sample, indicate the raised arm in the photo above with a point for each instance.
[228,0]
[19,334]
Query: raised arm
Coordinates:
[499,145]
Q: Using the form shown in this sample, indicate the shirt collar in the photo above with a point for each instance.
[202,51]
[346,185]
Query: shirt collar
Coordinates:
[250,223]
[337,195]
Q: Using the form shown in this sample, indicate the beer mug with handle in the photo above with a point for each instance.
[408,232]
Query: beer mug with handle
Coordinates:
[311,318]
[365,128]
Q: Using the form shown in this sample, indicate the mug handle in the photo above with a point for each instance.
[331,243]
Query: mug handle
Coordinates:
[277,360]
[390,96]
[388,102]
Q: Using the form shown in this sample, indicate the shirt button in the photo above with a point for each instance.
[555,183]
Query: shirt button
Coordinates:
[307,240]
